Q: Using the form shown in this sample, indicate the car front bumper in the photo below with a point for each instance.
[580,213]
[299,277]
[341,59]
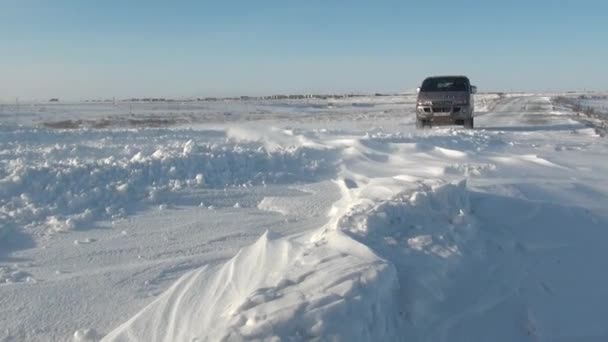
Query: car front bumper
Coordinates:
[444,112]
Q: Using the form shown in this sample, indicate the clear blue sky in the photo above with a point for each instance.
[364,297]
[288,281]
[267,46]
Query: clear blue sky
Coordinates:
[89,49]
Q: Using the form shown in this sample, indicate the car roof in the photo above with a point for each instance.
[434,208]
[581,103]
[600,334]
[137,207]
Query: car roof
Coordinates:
[447,76]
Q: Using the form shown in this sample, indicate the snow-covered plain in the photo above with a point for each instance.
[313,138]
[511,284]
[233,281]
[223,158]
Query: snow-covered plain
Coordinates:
[299,220]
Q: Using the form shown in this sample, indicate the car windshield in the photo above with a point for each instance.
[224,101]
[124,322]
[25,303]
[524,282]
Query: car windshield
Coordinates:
[445,84]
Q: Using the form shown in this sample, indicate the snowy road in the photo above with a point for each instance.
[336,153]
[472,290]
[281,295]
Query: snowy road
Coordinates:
[377,231]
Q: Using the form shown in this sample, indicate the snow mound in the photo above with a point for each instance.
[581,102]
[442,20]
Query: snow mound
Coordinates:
[338,282]
[273,289]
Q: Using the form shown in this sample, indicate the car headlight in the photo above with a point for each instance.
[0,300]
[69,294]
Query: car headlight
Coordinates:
[461,102]
[425,103]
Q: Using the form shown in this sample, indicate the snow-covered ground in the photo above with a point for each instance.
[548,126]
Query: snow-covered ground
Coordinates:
[591,108]
[298,220]
[594,103]
[162,114]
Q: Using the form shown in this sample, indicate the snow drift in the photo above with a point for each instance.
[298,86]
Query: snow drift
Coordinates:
[87,176]
[330,283]
[435,262]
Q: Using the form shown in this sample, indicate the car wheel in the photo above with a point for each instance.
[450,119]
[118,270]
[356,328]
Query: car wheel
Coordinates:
[468,123]
[419,124]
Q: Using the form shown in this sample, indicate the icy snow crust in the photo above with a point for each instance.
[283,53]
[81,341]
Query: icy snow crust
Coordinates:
[437,235]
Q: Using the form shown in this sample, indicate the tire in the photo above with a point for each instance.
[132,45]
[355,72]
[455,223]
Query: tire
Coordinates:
[469,123]
[419,123]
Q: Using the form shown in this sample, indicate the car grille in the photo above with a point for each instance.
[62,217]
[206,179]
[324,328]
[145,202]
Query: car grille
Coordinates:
[441,110]
[442,103]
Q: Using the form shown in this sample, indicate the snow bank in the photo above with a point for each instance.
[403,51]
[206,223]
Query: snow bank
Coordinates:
[334,283]
[87,175]
[273,289]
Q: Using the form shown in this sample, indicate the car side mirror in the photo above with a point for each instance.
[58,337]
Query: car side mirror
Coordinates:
[473,90]
[418,90]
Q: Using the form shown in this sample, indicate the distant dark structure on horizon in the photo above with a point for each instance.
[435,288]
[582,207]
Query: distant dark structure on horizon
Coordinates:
[54,100]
